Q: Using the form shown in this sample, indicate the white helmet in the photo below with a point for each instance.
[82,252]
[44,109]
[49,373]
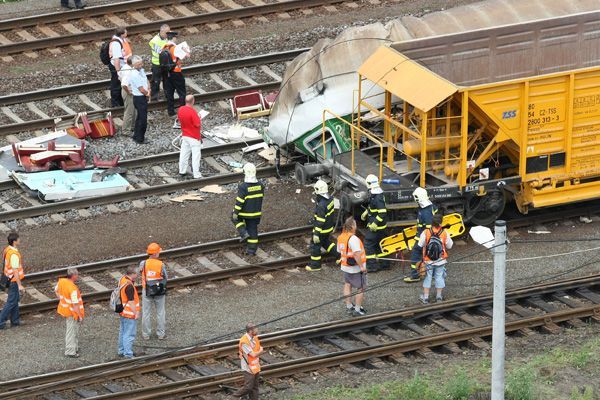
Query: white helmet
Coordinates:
[421,197]
[321,187]
[249,172]
[372,182]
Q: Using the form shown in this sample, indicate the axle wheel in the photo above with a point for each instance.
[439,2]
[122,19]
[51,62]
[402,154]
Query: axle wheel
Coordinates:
[484,210]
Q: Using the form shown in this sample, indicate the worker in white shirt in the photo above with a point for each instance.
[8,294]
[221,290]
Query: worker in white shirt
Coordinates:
[117,60]
[129,113]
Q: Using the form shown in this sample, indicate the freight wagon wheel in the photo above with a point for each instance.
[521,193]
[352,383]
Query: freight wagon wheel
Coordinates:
[484,210]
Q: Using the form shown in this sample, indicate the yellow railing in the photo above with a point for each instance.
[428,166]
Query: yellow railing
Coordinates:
[352,132]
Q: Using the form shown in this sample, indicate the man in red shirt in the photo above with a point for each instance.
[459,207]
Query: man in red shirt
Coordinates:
[191,140]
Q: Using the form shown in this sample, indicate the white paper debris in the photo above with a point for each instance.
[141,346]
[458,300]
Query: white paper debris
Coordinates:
[482,235]
[213,189]
[187,197]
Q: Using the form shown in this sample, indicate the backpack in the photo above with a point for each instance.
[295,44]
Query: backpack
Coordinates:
[4,280]
[434,248]
[105,51]
[116,304]
[165,60]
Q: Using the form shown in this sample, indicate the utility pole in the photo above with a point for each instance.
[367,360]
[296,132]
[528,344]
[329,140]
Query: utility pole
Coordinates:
[499,311]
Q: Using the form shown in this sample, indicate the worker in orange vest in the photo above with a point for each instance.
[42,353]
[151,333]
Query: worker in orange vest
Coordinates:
[175,80]
[13,271]
[70,306]
[435,242]
[130,313]
[249,350]
[354,266]
[154,288]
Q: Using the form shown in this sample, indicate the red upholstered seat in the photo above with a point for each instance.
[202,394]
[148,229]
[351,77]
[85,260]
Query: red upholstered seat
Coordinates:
[106,163]
[23,156]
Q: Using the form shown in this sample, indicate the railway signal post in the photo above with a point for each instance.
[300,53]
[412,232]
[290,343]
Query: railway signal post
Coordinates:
[499,311]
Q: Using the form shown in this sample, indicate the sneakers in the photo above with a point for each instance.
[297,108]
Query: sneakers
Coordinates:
[163,337]
[145,337]
[360,312]
[350,309]
[76,355]
[439,299]
[423,299]
[410,279]
[311,268]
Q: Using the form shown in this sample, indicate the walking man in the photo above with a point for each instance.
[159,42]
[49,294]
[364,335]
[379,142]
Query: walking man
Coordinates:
[129,114]
[13,269]
[154,289]
[323,224]
[354,266]
[156,45]
[376,217]
[141,93]
[175,81]
[435,242]
[130,313]
[249,350]
[424,219]
[191,138]
[248,208]
[117,61]
[70,306]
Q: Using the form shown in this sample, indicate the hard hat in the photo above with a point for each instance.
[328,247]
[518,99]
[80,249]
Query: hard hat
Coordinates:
[372,182]
[153,248]
[420,195]
[321,187]
[249,171]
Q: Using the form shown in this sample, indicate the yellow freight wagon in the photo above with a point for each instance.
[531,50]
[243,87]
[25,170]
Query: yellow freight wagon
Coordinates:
[479,118]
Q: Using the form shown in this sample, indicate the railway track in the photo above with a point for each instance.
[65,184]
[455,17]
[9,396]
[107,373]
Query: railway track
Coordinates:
[33,111]
[33,34]
[353,344]
[188,265]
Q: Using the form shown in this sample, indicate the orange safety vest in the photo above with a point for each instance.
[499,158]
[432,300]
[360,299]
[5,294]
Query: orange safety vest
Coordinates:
[152,270]
[347,253]
[128,312]
[126,49]
[177,61]
[428,233]
[65,306]
[8,270]
[253,362]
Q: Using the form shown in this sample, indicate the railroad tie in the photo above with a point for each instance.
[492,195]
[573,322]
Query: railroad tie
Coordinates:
[116,20]
[4,41]
[212,162]
[259,18]
[171,374]
[51,34]
[289,249]
[61,104]
[210,9]
[36,294]
[245,77]
[10,114]
[163,174]
[87,101]
[238,262]
[178,269]
[28,37]
[206,263]
[270,72]
[35,109]
[92,283]
[234,6]
[85,393]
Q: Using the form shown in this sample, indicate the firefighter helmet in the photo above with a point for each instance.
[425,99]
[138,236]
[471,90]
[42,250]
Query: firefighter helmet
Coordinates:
[249,171]
[420,195]
[321,187]
[372,182]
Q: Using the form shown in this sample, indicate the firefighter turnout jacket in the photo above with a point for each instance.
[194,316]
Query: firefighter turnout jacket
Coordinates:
[248,203]
[425,217]
[324,220]
[377,211]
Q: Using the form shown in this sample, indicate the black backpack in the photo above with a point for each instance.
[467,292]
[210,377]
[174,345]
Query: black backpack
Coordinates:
[166,61]
[434,248]
[105,51]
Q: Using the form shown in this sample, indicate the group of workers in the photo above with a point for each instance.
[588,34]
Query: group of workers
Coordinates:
[130,87]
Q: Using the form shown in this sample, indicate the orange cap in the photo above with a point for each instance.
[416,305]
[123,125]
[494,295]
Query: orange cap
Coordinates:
[153,248]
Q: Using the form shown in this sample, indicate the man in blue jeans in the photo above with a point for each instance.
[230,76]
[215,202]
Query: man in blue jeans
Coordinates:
[130,313]
[13,269]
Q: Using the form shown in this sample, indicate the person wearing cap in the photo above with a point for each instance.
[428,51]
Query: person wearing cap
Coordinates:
[154,288]
[156,45]
[249,351]
[175,81]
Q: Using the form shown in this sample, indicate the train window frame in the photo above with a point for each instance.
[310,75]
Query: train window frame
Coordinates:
[319,134]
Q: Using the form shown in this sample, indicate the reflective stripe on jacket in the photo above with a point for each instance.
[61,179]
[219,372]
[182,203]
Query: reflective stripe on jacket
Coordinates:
[346,252]
[9,251]
[252,362]
[152,270]
[425,217]
[156,45]
[65,288]
[324,219]
[377,211]
[443,239]
[248,203]
[128,312]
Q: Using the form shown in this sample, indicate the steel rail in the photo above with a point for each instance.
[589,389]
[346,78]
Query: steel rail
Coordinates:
[51,208]
[211,383]
[217,66]
[152,106]
[145,364]
[167,157]
[180,22]
[90,11]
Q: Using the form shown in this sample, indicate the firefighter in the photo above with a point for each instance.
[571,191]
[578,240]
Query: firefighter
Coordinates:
[323,224]
[424,218]
[376,218]
[248,208]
